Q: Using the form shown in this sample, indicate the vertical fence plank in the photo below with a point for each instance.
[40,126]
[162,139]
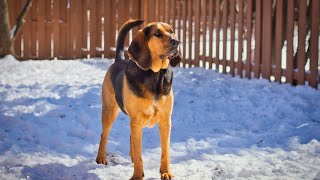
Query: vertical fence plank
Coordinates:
[178,32]
[11,11]
[48,29]
[302,41]
[73,27]
[136,13]
[257,48]
[93,27]
[184,14]
[197,33]
[161,10]
[26,37]
[156,10]
[173,22]
[34,33]
[217,60]
[290,28]
[165,10]
[63,23]
[41,30]
[85,48]
[151,10]
[232,26]
[99,15]
[314,41]
[17,40]
[204,31]
[78,15]
[210,33]
[56,28]
[144,11]
[190,32]
[240,37]
[266,39]
[279,38]
[109,27]
[249,31]
[224,26]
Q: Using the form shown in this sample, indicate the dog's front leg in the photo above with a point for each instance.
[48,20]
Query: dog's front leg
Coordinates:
[165,130]
[136,146]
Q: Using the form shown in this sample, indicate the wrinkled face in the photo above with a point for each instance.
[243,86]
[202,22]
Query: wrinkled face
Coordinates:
[161,40]
[155,47]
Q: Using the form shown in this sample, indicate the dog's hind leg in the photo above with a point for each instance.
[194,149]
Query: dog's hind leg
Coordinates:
[110,111]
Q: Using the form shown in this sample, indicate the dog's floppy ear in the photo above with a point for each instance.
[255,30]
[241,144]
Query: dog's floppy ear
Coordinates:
[176,60]
[138,51]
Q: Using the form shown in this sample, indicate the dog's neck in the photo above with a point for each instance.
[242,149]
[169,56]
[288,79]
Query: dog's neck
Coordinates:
[140,81]
[159,63]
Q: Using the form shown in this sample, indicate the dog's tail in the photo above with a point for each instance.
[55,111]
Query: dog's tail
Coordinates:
[122,37]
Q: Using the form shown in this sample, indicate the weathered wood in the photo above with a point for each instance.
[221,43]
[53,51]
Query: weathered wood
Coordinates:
[232,24]
[204,30]
[314,44]
[248,34]
[224,26]
[302,41]
[26,36]
[190,32]
[266,40]
[258,37]
[211,8]
[197,33]
[290,28]
[217,58]
[279,37]
[240,37]
[184,49]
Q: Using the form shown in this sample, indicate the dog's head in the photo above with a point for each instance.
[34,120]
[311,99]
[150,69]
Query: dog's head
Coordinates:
[155,47]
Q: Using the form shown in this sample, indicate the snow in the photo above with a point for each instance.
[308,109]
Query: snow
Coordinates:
[222,127]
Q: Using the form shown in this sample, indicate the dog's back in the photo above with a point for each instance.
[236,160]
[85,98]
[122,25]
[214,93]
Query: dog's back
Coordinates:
[118,68]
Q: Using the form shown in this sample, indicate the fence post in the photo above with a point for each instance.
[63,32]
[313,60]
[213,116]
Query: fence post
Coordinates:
[278,39]
[26,36]
[217,59]
[266,38]
[257,50]
[248,34]
[211,9]
[240,37]
[302,41]
[290,28]
[232,24]
[224,26]
[314,41]
[197,33]
[190,5]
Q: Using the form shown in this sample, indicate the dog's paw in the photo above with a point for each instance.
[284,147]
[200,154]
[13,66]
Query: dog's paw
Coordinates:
[136,178]
[166,176]
[102,160]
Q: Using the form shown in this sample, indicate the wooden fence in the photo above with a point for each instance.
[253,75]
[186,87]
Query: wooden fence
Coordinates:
[277,40]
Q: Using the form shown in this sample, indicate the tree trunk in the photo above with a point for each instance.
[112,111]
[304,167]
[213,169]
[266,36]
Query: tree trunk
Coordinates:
[6,43]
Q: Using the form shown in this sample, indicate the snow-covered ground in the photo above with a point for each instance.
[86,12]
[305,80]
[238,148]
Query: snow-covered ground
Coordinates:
[223,127]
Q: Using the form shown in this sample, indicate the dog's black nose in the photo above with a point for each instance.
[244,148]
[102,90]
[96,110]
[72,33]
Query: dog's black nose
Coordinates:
[174,42]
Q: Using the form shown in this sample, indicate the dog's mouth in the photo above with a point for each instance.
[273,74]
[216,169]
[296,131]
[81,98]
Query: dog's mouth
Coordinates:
[172,54]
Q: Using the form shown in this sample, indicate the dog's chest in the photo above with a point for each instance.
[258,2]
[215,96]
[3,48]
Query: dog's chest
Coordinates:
[153,111]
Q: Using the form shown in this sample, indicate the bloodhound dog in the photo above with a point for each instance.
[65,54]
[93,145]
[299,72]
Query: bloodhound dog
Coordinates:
[141,87]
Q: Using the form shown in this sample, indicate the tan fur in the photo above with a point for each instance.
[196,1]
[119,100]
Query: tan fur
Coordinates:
[157,47]
[143,112]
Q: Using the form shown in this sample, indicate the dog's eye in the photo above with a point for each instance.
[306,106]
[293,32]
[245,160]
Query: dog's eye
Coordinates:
[157,34]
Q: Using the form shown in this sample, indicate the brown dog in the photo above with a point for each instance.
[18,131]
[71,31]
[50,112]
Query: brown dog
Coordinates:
[142,88]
